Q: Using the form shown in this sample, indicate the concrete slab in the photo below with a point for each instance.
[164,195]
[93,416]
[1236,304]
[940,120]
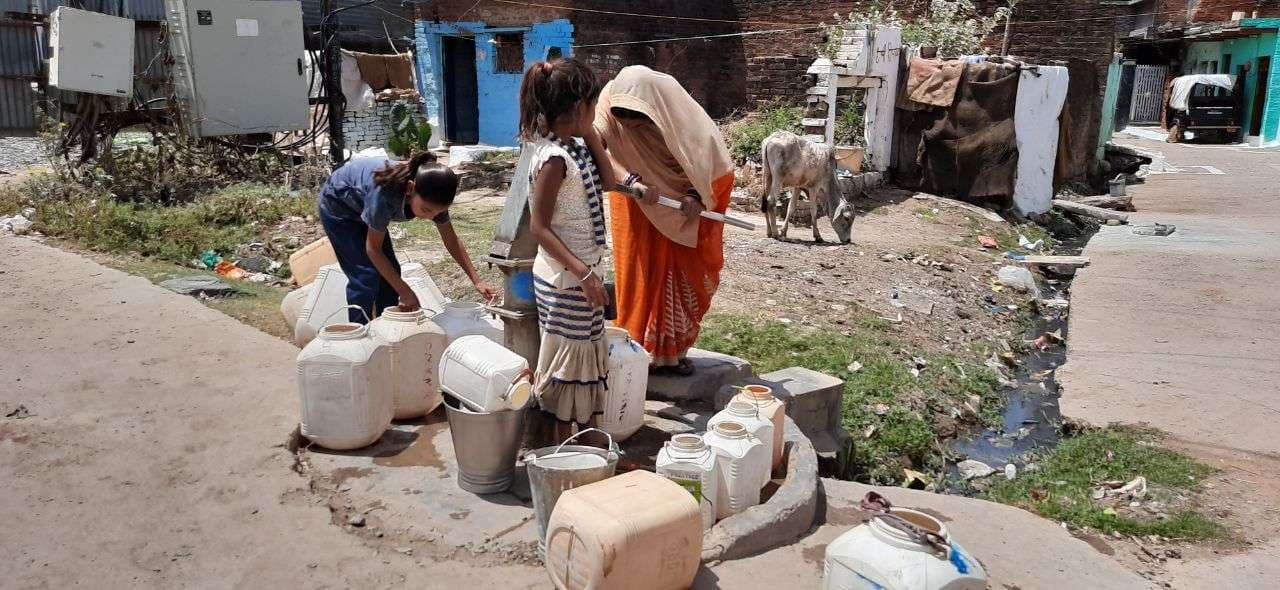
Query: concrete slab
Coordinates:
[1018,549]
[711,372]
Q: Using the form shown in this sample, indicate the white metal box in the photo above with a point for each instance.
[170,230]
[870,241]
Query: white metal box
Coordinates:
[92,52]
[239,65]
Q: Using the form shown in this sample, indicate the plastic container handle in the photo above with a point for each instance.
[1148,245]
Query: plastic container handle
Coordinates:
[613,447]
[345,308]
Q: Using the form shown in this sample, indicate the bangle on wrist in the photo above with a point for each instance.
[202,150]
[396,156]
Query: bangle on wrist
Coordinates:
[590,272]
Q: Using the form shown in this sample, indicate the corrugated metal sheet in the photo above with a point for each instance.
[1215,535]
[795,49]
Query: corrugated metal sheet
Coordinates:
[20,65]
[362,27]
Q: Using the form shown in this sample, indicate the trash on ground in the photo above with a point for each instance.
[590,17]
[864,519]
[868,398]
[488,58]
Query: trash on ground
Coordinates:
[230,270]
[970,469]
[914,480]
[206,286]
[988,242]
[1158,229]
[18,225]
[19,412]
[1018,278]
[1010,471]
[1026,244]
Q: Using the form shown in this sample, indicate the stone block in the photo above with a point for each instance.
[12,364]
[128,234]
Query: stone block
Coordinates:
[814,400]
[712,371]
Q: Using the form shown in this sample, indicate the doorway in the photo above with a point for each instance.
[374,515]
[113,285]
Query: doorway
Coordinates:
[461,101]
[1259,96]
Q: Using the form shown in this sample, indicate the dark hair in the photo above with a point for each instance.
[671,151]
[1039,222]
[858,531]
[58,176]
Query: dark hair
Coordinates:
[433,181]
[628,114]
[550,90]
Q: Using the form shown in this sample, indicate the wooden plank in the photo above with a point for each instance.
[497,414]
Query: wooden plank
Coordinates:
[1107,202]
[1072,261]
[813,122]
[1090,211]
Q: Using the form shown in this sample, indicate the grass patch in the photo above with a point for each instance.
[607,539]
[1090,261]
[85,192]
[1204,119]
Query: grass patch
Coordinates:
[1062,485]
[94,220]
[254,304]
[897,419]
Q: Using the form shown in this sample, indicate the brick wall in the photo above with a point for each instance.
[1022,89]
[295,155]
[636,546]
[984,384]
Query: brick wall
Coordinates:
[370,127]
[1182,12]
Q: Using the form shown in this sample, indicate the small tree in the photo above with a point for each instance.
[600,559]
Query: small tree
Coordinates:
[408,134]
[953,26]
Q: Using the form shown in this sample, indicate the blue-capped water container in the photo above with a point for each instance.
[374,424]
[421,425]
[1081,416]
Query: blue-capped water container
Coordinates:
[877,555]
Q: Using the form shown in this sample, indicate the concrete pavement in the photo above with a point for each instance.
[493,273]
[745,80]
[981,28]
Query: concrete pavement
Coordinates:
[1179,332]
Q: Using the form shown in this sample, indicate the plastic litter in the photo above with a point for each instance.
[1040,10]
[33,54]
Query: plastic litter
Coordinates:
[231,271]
[988,242]
[1019,278]
[970,469]
[207,286]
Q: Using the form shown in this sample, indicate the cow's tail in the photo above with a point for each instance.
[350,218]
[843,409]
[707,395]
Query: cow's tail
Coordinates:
[768,177]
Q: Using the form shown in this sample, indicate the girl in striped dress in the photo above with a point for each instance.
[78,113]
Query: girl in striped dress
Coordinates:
[557,109]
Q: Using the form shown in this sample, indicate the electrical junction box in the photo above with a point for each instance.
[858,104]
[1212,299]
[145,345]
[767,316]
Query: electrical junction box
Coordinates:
[239,65]
[92,52]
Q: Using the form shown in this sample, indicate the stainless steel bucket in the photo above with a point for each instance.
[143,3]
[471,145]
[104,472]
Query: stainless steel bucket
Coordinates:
[552,470]
[485,445]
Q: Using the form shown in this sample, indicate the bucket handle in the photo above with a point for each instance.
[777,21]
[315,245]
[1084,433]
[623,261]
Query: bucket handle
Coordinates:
[613,447]
[345,308]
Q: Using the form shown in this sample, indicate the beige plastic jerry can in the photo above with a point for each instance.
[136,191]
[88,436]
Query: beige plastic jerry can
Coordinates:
[636,531]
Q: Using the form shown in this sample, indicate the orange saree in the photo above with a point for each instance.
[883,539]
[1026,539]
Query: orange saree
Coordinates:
[666,267]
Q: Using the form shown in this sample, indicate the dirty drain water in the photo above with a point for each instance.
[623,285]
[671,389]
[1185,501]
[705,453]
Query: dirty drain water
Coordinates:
[1032,416]
[422,451]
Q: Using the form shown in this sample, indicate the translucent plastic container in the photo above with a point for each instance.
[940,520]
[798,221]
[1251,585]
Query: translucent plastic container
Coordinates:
[485,376]
[344,386]
[772,409]
[687,460]
[328,296]
[291,305]
[877,555]
[415,344]
[460,318]
[429,295]
[757,424]
[628,383]
[636,531]
[740,458]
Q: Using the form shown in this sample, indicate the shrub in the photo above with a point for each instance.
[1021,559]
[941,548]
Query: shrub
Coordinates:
[744,135]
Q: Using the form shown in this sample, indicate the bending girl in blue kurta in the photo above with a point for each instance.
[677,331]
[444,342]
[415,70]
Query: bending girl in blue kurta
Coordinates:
[359,202]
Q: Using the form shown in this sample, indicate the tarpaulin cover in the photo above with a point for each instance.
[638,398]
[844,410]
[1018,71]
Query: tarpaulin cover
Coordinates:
[1182,86]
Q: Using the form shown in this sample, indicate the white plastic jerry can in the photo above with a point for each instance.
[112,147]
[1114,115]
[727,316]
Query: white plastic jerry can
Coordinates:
[429,295]
[291,305]
[687,460]
[740,458]
[757,425]
[461,318]
[770,408]
[415,344]
[344,386]
[628,382]
[877,555]
[328,295]
[485,376]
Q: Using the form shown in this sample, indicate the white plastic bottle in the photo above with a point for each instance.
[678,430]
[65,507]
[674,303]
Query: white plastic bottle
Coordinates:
[461,318]
[772,409]
[484,375]
[344,386]
[687,460]
[759,426]
[628,383]
[415,344]
[878,555]
[740,458]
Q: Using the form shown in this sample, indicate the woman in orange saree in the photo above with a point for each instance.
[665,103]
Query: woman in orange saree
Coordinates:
[667,263]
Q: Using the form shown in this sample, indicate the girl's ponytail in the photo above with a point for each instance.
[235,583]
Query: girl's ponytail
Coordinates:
[399,174]
[533,121]
[552,89]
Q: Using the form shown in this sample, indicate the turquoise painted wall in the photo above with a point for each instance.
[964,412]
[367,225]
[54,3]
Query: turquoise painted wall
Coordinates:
[497,93]
[1246,50]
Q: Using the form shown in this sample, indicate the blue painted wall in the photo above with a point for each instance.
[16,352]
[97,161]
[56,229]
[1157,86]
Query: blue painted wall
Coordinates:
[498,93]
[1243,50]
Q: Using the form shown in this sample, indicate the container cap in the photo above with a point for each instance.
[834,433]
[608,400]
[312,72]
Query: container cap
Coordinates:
[519,394]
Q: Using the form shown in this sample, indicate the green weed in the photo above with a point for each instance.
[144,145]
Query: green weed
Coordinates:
[1061,487]
[179,232]
[744,135]
[897,419]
